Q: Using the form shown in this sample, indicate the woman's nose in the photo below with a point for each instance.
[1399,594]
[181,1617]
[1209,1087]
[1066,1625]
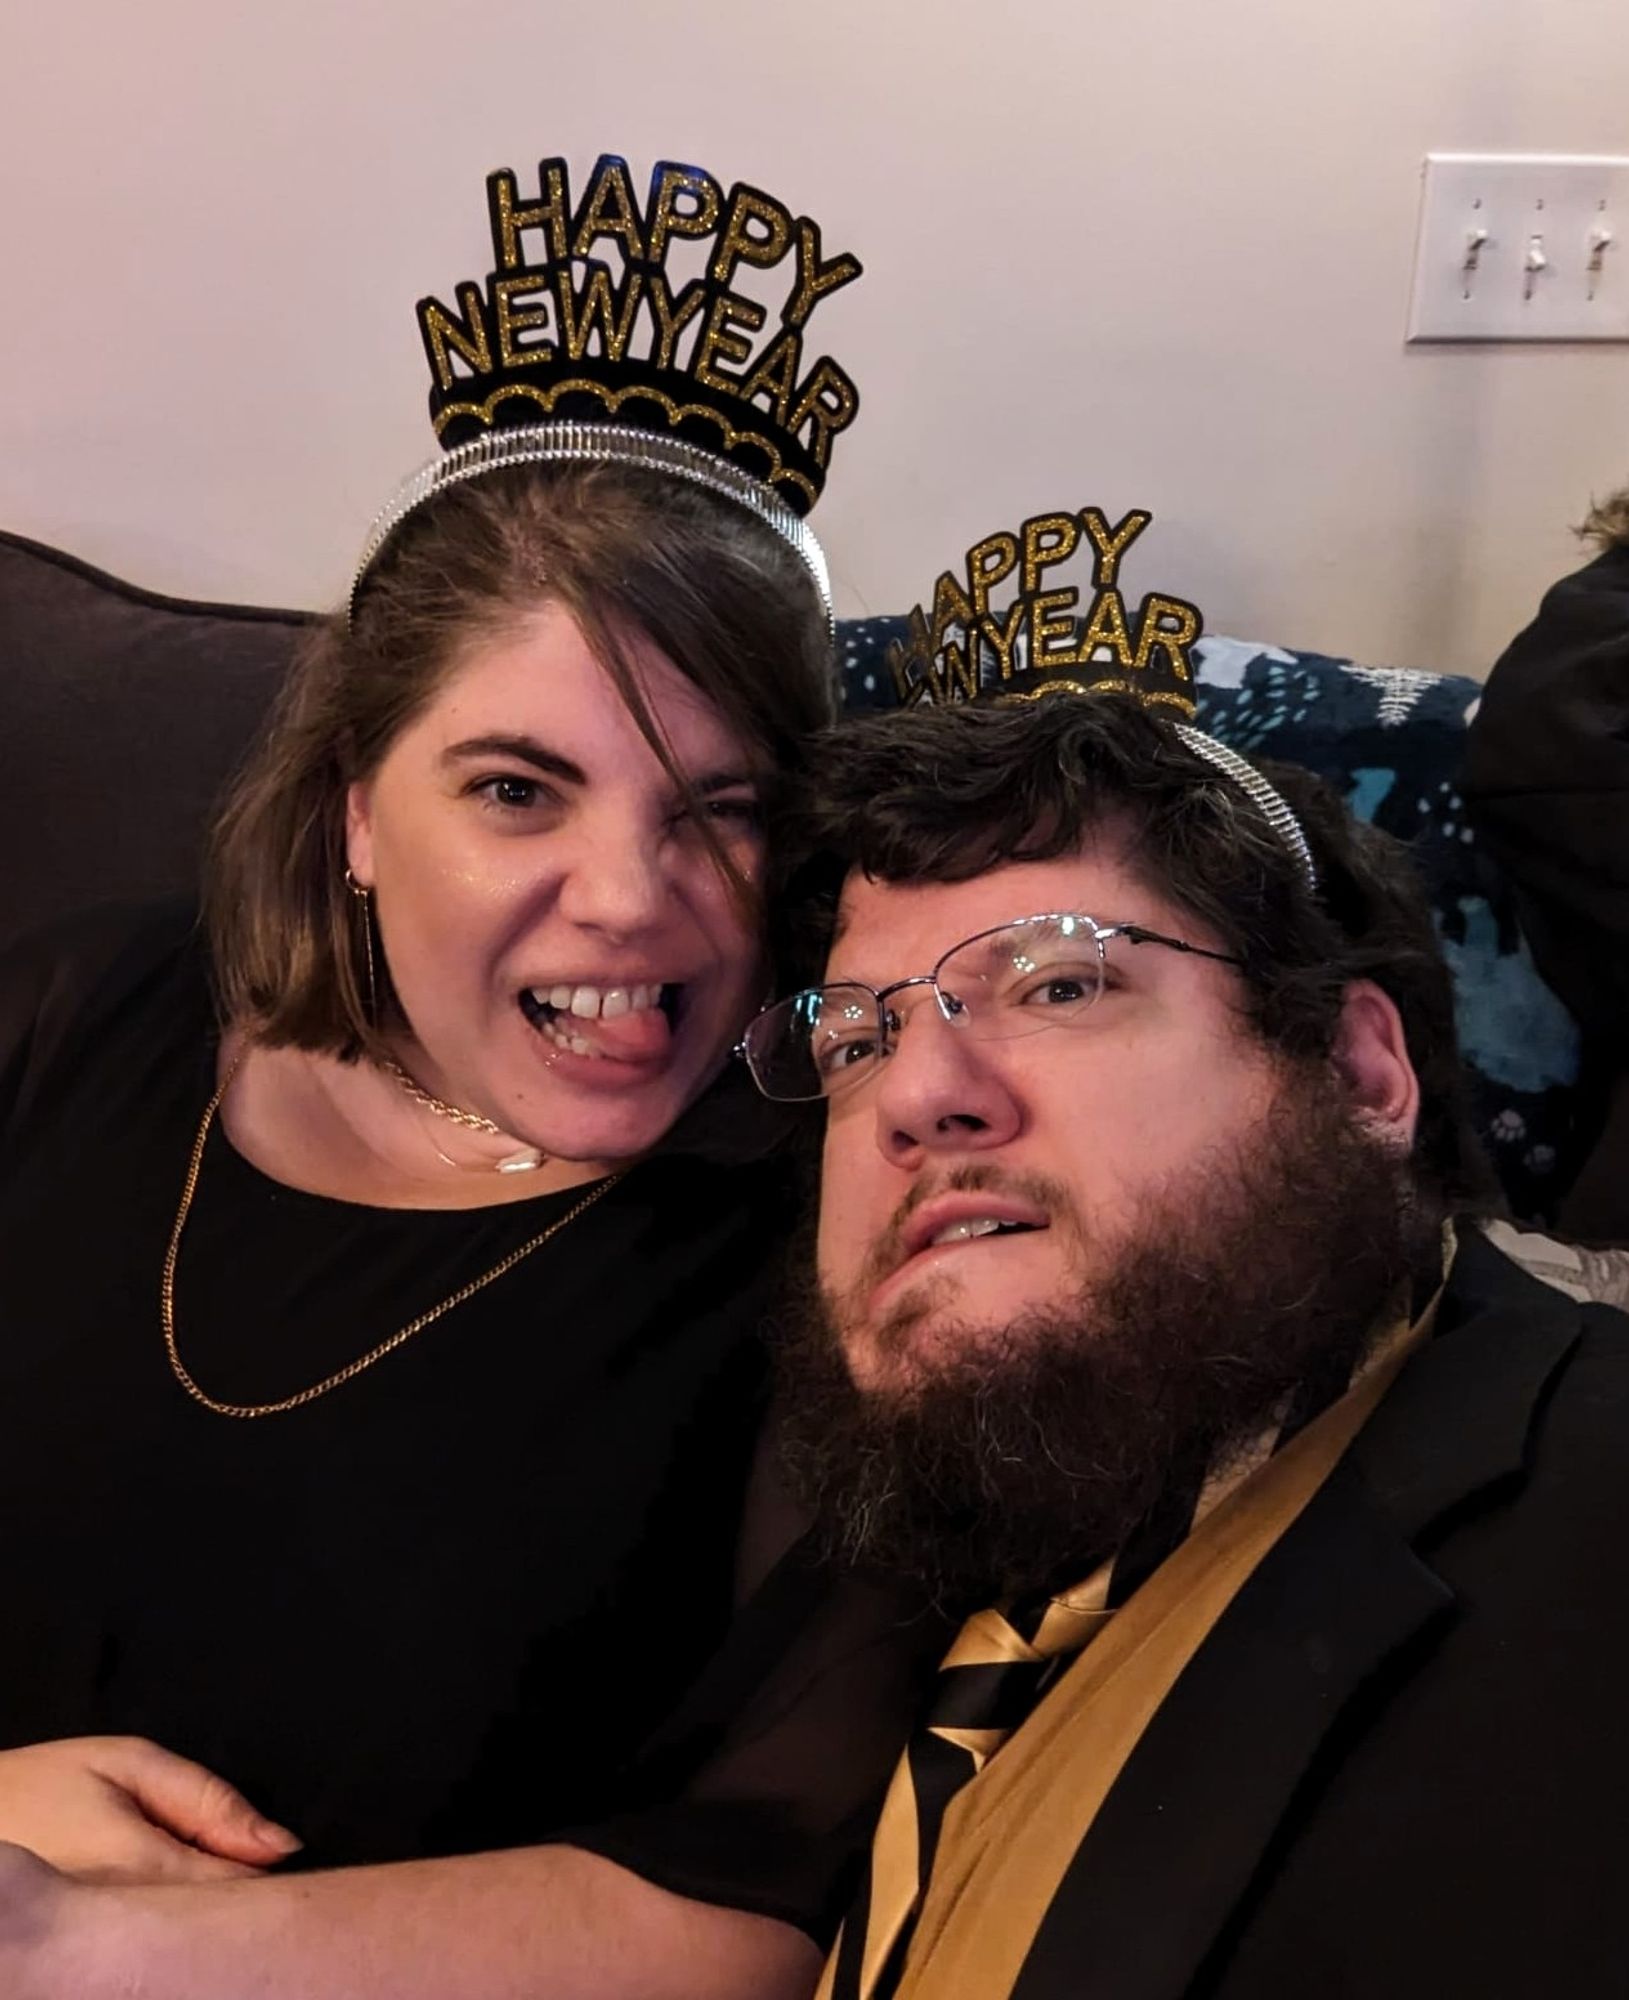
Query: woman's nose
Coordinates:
[617,881]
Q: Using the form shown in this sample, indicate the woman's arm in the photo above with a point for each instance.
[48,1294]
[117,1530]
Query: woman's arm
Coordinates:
[761,1792]
[540,1923]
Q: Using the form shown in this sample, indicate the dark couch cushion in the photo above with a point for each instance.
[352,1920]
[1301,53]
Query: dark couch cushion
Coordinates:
[121,713]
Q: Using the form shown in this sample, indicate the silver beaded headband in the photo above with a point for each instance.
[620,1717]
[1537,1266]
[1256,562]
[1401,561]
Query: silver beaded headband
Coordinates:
[1267,801]
[597,444]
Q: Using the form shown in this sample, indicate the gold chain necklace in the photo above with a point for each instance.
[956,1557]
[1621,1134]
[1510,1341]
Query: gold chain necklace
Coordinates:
[472,1120]
[521,1161]
[351,1369]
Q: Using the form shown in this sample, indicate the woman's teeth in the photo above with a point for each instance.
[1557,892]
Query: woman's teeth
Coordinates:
[562,1040]
[555,1011]
[594,1003]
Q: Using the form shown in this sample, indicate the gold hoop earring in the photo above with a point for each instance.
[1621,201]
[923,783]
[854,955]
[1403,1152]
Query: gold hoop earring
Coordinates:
[364,895]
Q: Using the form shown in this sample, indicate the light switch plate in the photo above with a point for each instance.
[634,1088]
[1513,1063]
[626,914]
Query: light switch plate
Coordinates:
[1522,246]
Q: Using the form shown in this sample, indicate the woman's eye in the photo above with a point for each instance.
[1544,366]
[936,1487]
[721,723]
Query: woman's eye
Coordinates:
[736,812]
[729,816]
[509,793]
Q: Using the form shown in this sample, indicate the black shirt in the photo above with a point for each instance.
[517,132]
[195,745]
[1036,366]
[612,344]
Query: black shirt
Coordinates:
[440,1608]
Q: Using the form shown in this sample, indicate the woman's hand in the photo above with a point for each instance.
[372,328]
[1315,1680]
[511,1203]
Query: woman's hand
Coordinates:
[120,1809]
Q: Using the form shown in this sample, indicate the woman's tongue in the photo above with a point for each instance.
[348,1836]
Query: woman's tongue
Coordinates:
[636,1036]
[633,1037]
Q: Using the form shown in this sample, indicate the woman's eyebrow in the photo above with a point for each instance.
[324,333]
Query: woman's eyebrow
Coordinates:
[725,781]
[526,749]
[529,750]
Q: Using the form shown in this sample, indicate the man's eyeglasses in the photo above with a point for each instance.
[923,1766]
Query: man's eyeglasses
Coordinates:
[1039,972]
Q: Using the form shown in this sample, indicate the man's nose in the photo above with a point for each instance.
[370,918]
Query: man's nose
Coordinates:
[942,1089]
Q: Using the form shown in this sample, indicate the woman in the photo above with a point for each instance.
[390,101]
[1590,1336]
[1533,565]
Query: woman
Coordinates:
[381,1449]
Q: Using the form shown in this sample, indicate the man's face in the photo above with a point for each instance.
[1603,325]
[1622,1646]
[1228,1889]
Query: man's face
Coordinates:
[1073,1133]
[1194,1228]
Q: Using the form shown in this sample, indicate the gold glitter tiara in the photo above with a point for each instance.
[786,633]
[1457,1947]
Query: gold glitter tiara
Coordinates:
[1041,641]
[585,344]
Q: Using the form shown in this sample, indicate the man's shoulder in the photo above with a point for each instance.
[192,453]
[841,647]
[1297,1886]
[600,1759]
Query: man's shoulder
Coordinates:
[1471,1790]
[1529,1288]
[1581,1439]
[1512,1422]
[1526,1401]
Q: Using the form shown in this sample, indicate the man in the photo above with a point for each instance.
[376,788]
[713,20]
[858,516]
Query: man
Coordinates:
[1142,1162]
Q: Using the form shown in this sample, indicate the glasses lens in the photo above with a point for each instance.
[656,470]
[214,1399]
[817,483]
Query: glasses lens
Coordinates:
[815,1042]
[1042,973]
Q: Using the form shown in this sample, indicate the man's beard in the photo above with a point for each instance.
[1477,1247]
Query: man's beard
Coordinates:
[1006,1459]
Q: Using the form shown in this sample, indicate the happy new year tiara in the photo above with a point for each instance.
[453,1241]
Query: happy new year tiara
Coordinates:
[1040,643]
[566,357]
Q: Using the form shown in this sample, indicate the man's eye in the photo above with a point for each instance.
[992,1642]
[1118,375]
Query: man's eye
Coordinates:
[832,1057]
[1060,989]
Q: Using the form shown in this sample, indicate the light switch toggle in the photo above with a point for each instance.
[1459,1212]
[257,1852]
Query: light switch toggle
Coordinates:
[1534,262]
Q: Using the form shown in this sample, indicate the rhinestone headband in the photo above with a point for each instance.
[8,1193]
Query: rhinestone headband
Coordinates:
[1267,801]
[567,443]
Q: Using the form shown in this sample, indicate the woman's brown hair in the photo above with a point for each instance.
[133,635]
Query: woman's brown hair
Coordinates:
[631,555]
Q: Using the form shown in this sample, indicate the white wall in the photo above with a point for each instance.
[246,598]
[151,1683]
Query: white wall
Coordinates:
[1150,254]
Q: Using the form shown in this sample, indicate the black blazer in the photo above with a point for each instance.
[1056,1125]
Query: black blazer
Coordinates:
[1399,1765]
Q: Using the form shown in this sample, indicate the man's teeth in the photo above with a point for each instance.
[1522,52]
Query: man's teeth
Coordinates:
[979,1225]
[596,1003]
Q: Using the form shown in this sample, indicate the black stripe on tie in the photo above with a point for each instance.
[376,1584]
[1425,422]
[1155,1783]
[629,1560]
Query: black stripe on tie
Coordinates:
[851,1939]
[1026,1615]
[938,1772]
[996,1697]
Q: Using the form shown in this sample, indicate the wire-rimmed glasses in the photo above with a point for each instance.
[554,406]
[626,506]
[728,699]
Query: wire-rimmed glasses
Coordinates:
[1014,979]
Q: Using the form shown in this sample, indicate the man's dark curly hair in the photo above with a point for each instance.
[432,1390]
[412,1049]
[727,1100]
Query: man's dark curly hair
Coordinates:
[946,794]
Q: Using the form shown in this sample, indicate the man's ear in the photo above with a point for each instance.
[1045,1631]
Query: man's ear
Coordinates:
[1371,1054]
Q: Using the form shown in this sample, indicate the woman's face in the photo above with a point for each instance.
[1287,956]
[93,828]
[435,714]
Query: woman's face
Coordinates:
[570,960]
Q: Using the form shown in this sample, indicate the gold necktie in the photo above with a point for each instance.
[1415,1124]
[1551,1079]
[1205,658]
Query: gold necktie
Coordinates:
[998,1668]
